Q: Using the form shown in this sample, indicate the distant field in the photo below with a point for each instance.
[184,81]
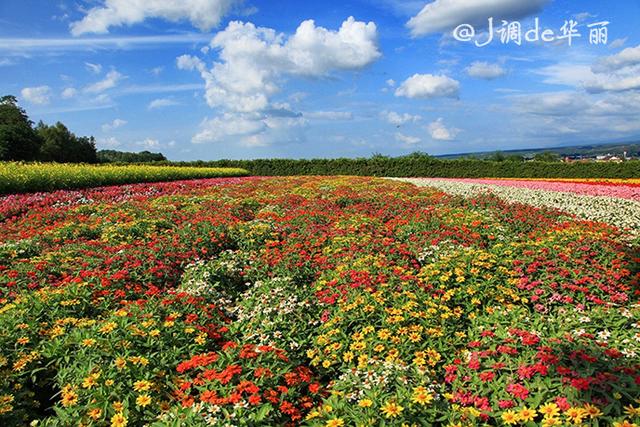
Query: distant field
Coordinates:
[30,177]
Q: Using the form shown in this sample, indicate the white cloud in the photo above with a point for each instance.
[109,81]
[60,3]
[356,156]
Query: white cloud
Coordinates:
[329,115]
[440,132]
[203,14]
[156,71]
[110,142]
[566,73]
[614,83]
[399,119]
[254,61]
[218,128]
[161,103]
[69,92]
[578,114]
[617,43]
[485,70]
[117,123]
[110,81]
[391,83]
[428,86]
[149,144]
[82,44]
[445,15]
[627,58]
[40,95]
[94,68]
[298,96]
[407,139]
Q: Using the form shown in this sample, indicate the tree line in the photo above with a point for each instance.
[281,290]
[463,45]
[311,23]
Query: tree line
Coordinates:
[20,140]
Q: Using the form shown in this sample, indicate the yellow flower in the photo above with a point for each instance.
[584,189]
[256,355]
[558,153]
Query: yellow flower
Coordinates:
[143,400]
[347,356]
[23,340]
[392,409]
[118,420]
[365,403]
[549,410]
[69,398]
[631,411]
[108,327]
[155,333]
[120,362]
[383,334]
[421,396]
[624,423]
[592,410]
[108,383]
[527,414]
[142,385]
[575,414]
[200,339]
[550,422]
[95,413]
[335,422]
[510,417]
[88,342]
[91,381]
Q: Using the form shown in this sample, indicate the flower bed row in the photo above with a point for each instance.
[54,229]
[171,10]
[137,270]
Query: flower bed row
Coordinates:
[622,190]
[592,202]
[312,301]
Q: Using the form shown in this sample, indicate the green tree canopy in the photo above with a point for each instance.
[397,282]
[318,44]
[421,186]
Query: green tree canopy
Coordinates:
[18,139]
[62,146]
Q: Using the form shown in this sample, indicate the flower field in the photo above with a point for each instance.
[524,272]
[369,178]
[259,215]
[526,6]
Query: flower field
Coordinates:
[313,301]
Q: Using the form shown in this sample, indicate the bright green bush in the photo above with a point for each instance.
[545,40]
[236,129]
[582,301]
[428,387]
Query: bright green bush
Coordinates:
[428,167]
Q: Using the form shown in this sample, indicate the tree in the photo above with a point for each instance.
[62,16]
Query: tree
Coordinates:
[18,139]
[113,156]
[60,145]
[547,156]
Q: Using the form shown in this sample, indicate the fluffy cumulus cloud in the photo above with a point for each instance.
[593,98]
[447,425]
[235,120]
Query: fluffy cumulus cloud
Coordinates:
[398,119]
[115,124]
[440,132]
[203,14]
[425,86]
[254,61]
[444,15]
[39,95]
[579,114]
[485,70]
[616,73]
[407,139]
[627,58]
[110,81]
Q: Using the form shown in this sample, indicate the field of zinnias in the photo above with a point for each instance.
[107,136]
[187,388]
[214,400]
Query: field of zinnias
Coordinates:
[312,301]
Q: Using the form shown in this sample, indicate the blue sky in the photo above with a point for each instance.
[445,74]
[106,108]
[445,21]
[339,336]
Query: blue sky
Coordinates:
[210,79]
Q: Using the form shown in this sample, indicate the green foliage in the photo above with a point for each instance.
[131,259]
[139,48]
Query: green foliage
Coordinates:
[62,146]
[425,166]
[29,177]
[18,140]
[547,156]
[113,156]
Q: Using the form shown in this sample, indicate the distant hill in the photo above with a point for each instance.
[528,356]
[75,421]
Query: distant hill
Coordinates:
[591,150]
